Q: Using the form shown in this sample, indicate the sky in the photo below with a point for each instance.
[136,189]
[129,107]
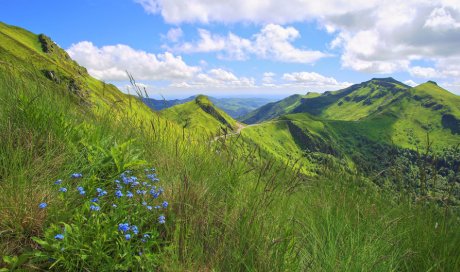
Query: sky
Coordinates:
[251,48]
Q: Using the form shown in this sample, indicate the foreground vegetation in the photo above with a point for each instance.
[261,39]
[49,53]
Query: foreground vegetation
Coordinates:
[229,207]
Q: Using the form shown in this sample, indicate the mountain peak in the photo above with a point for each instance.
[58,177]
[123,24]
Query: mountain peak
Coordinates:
[203,100]
[385,79]
[432,82]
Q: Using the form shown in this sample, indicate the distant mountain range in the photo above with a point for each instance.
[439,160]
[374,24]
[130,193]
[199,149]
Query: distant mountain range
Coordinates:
[235,107]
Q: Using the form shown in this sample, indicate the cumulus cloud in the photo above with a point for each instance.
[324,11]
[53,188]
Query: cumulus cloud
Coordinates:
[111,63]
[216,78]
[259,11]
[273,42]
[425,72]
[370,35]
[314,81]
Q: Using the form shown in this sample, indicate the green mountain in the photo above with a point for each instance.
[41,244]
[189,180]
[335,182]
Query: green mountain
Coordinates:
[200,115]
[92,179]
[398,113]
[352,103]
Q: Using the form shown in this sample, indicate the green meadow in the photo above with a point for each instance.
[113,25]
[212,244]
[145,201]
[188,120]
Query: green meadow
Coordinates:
[298,192]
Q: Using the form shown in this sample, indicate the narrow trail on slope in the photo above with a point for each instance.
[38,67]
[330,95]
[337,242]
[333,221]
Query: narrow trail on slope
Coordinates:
[240,127]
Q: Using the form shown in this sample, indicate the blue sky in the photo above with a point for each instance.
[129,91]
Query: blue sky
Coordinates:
[251,47]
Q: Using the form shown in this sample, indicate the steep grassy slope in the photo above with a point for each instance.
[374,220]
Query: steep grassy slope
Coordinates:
[38,56]
[200,115]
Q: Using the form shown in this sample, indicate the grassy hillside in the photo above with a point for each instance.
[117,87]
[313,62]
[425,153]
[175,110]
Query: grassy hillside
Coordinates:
[200,115]
[227,207]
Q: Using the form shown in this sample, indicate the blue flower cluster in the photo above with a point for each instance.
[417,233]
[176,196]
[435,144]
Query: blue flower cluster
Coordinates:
[145,193]
[125,228]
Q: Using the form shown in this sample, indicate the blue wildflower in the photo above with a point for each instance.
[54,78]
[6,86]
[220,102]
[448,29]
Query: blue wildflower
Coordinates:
[98,190]
[165,204]
[149,208]
[145,238]
[134,229]
[102,193]
[42,205]
[161,219]
[135,183]
[63,189]
[94,208]
[59,237]
[128,237]
[141,192]
[124,227]
[117,181]
[95,200]
[157,207]
[57,182]
[118,194]
[153,177]
[81,191]
[129,194]
[144,203]
[76,175]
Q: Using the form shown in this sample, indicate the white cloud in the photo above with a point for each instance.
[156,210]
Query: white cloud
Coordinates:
[174,34]
[220,78]
[314,79]
[259,11]
[111,63]
[231,46]
[441,19]
[424,72]
[410,82]
[371,35]
[268,77]
[273,42]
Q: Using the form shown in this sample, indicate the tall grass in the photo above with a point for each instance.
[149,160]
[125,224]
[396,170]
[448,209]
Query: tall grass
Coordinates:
[230,209]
